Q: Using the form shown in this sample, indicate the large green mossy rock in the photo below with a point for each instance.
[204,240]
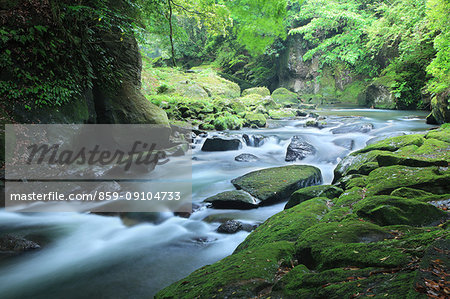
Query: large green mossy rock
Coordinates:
[384,180]
[307,193]
[256,119]
[282,113]
[263,91]
[420,195]
[357,163]
[340,244]
[345,283]
[236,199]
[241,275]
[390,210]
[394,143]
[287,225]
[282,95]
[275,184]
[442,134]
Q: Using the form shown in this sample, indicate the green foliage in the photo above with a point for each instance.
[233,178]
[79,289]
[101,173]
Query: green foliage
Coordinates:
[54,59]
[438,12]
[334,31]
[258,23]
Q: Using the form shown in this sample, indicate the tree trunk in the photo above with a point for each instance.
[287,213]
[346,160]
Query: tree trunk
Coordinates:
[171,32]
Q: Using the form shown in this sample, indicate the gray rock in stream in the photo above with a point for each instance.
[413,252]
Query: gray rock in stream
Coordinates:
[298,149]
[15,243]
[246,158]
[217,144]
[235,199]
[345,143]
[234,226]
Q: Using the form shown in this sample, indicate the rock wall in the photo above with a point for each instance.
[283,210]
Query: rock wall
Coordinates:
[100,103]
[329,84]
[440,109]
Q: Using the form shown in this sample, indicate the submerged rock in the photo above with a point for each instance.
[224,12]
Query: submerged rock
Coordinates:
[246,158]
[216,144]
[298,149]
[353,128]
[275,184]
[234,226]
[10,242]
[345,143]
[236,199]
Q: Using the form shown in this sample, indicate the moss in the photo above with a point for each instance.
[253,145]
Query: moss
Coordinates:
[337,214]
[282,95]
[384,180]
[351,92]
[235,199]
[307,193]
[281,114]
[257,119]
[362,163]
[263,91]
[227,122]
[443,134]
[350,196]
[394,143]
[278,183]
[346,283]
[287,225]
[390,210]
[420,195]
[243,274]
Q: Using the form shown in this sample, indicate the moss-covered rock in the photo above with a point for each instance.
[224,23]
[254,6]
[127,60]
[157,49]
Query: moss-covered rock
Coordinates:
[307,193]
[263,91]
[357,163]
[384,180]
[275,184]
[241,275]
[282,113]
[282,95]
[288,224]
[236,199]
[443,134]
[257,119]
[390,210]
[394,143]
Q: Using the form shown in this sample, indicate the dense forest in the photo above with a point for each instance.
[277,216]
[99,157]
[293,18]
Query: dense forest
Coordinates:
[307,143]
[353,50]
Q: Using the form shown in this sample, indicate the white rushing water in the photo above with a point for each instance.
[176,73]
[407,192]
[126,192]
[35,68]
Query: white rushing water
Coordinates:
[85,255]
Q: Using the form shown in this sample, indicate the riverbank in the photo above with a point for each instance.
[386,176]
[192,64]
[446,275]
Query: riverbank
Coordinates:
[385,232]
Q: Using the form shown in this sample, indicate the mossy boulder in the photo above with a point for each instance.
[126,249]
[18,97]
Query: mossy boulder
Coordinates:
[236,199]
[263,91]
[241,275]
[339,244]
[442,134]
[420,195]
[357,164]
[282,95]
[287,225]
[275,184]
[394,143]
[384,180]
[257,119]
[227,121]
[282,113]
[307,193]
[391,210]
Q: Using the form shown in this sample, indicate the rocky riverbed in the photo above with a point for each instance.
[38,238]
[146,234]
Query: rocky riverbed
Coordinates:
[381,229]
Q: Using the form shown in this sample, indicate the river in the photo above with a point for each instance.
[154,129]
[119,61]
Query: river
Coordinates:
[86,255]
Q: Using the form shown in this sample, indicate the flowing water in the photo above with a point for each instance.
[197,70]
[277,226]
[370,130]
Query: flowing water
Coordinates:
[86,255]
